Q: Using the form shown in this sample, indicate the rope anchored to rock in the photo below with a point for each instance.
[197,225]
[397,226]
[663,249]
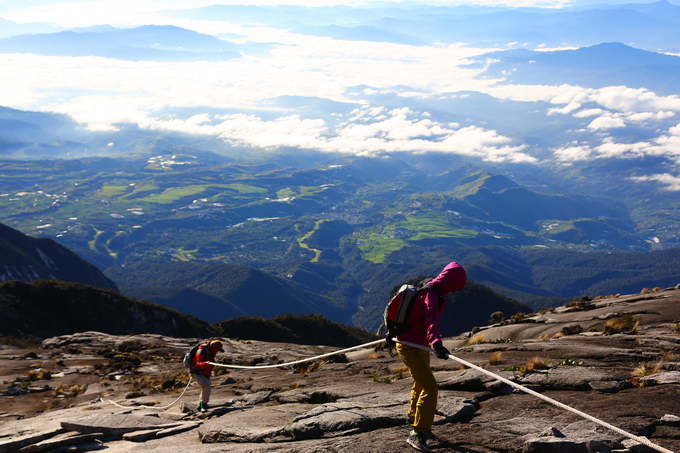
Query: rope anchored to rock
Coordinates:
[142,406]
[639,439]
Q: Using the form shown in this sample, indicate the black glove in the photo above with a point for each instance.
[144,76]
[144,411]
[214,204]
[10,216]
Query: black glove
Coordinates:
[389,342]
[440,351]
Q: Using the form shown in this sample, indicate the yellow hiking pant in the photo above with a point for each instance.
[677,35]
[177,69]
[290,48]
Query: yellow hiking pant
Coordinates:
[424,391]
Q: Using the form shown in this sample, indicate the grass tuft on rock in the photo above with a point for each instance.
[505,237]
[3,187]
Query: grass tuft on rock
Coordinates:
[626,323]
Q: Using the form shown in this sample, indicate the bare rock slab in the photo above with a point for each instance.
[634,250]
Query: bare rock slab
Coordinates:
[340,418]
[667,377]
[115,425]
[578,437]
[61,441]
[14,444]
[569,378]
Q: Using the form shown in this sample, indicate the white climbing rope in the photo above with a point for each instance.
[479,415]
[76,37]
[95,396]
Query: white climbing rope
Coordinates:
[295,362]
[642,440]
[142,406]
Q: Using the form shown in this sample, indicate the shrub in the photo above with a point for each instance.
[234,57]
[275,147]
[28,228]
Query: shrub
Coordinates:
[309,367]
[71,391]
[496,317]
[535,364]
[675,327]
[476,339]
[517,317]
[71,349]
[135,394]
[377,377]
[574,329]
[581,305]
[39,374]
[130,346]
[626,323]
[495,358]
[643,370]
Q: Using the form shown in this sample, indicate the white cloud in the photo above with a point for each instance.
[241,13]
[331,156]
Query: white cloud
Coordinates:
[649,116]
[606,122]
[367,131]
[573,153]
[566,109]
[671,182]
[585,113]
[666,146]
[619,99]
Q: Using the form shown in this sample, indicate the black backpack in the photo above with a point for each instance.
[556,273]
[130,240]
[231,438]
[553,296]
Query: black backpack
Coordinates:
[188,360]
[398,309]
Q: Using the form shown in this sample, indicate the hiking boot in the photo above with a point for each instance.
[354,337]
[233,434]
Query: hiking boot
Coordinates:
[202,407]
[417,441]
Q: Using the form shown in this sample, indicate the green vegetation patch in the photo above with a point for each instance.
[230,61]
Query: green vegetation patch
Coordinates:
[470,188]
[243,188]
[433,226]
[375,246]
[111,190]
[285,193]
[557,226]
[174,194]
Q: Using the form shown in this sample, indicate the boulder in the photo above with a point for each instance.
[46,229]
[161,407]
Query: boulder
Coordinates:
[579,437]
[568,378]
[113,425]
[672,420]
[468,380]
[14,444]
[61,441]
[666,377]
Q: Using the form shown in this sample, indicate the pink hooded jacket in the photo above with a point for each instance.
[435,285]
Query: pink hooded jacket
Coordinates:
[423,320]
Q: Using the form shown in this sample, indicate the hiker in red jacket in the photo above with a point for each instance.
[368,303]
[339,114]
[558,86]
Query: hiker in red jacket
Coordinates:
[202,370]
[423,329]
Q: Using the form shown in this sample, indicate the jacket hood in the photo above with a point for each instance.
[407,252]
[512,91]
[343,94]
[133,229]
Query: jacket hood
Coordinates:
[451,278]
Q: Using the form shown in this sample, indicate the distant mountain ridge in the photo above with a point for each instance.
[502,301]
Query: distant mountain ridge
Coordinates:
[26,258]
[48,307]
[45,308]
[606,64]
[148,42]
[215,292]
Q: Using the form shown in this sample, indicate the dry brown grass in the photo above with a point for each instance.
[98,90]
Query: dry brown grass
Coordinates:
[495,358]
[160,383]
[476,339]
[536,364]
[626,323]
[643,370]
[544,337]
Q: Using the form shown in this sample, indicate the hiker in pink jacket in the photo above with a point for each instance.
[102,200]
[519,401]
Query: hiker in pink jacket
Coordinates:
[423,329]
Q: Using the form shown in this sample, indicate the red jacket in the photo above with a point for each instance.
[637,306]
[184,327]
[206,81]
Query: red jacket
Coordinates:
[428,306]
[201,359]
